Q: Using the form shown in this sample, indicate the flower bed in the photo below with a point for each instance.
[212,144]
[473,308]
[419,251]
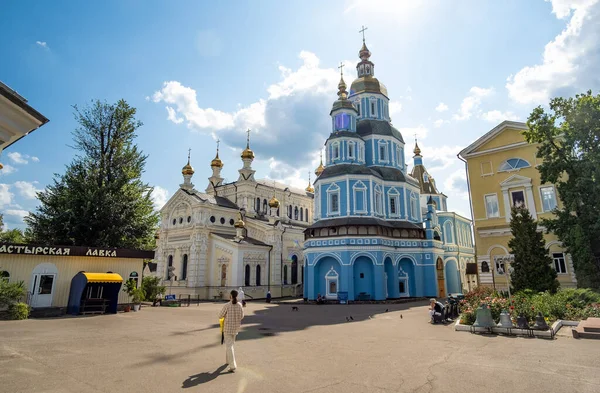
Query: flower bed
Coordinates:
[567,304]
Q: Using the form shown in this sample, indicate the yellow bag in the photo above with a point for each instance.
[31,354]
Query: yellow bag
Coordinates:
[222,324]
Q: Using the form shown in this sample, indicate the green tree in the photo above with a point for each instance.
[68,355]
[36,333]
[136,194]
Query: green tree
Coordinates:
[569,138]
[532,263]
[152,288]
[101,199]
[14,236]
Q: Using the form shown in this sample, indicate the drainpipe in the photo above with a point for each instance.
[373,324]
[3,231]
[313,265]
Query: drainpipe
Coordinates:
[281,263]
[472,215]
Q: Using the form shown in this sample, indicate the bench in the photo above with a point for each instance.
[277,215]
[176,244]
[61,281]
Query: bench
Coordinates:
[93,306]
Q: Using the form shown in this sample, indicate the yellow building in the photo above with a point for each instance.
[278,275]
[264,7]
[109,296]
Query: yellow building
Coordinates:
[47,272]
[502,171]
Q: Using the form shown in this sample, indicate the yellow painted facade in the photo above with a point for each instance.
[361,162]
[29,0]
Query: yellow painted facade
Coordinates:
[501,169]
[63,269]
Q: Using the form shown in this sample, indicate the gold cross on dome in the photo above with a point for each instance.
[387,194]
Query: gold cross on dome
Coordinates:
[363,32]
[248,136]
[341,67]
[189,152]
[218,141]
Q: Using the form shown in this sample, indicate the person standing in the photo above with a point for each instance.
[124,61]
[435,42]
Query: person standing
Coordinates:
[241,296]
[268,296]
[233,314]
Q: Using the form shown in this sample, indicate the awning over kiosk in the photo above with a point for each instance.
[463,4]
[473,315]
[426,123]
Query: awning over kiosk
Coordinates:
[103,277]
[94,293]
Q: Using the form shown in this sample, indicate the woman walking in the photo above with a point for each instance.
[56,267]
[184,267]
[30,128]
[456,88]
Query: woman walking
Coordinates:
[233,314]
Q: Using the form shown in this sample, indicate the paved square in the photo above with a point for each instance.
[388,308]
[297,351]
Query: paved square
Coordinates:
[280,350]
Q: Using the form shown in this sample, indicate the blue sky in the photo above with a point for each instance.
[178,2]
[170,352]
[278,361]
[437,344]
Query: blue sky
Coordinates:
[198,71]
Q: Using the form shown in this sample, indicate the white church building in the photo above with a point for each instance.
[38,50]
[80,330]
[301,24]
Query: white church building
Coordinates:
[248,233]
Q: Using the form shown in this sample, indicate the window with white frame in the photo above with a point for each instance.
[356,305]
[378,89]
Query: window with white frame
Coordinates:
[414,208]
[378,200]
[360,197]
[393,199]
[361,152]
[513,164]
[335,153]
[333,200]
[559,262]
[548,197]
[358,107]
[491,206]
[448,229]
[373,108]
[351,149]
[383,155]
[398,156]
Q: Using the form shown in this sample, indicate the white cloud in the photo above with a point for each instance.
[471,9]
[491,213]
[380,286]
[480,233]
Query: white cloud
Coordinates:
[395,108]
[570,62]
[438,158]
[26,189]
[17,157]
[159,197]
[456,184]
[7,169]
[441,107]
[410,132]
[21,214]
[472,101]
[172,115]
[440,122]
[5,195]
[35,159]
[498,116]
[43,44]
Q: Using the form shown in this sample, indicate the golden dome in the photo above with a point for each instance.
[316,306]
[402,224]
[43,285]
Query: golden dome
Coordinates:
[274,202]
[216,162]
[187,169]
[240,223]
[247,153]
[321,168]
[310,188]
[417,150]
[1,166]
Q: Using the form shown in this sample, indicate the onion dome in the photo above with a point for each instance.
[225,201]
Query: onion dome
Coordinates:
[240,223]
[309,188]
[187,169]
[274,202]
[417,149]
[321,168]
[1,166]
[247,153]
[216,162]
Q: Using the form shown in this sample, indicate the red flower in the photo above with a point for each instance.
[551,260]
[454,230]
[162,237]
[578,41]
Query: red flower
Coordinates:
[533,308]
[512,307]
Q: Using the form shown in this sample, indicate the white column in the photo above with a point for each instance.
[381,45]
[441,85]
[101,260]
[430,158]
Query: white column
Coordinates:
[347,196]
[507,205]
[530,202]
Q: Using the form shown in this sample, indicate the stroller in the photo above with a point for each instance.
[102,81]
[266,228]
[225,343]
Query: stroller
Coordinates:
[440,314]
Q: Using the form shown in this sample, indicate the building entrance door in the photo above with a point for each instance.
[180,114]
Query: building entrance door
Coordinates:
[42,289]
[440,278]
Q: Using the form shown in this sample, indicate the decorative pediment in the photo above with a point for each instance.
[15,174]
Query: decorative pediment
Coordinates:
[332,273]
[516,180]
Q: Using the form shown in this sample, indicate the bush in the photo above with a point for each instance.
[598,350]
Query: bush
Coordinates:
[18,311]
[152,288]
[137,295]
[11,292]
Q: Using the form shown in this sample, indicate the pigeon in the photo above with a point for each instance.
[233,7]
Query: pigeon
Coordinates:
[347,319]
[400,316]
[386,310]
[352,319]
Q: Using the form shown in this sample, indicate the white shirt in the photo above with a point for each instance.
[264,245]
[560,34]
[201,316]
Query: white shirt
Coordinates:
[240,296]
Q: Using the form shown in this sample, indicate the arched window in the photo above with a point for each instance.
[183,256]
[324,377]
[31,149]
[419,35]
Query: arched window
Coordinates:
[296,213]
[513,164]
[290,211]
[258,275]
[184,264]
[134,276]
[169,264]
[257,205]
[485,267]
[4,275]
[306,215]
[247,275]
[285,274]
[448,232]
[294,269]
[265,206]
[301,214]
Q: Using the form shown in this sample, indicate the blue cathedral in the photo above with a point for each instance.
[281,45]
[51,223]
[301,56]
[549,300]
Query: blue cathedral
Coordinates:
[379,232]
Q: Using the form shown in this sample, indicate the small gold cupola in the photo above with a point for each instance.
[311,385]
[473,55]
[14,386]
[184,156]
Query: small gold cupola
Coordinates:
[274,202]
[216,162]
[320,168]
[187,170]
[310,188]
[248,153]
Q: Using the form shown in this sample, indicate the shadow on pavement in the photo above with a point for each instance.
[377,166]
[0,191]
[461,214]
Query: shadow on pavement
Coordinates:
[198,379]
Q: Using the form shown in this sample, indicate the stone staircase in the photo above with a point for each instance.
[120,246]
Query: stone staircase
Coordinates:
[590,328]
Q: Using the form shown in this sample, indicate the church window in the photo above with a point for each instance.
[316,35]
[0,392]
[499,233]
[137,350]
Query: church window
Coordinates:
[548,198]
[414,208]
[398,156]
[231,222]
[393,205]
[394,198]
[383,154]
[358,108]
[212,219]
[336,151]
[425,177]
[285,271]
[448,232]
[169,264]
[373,114]
[258,205]
[513,164]
[559,263]
[350,149]
[222,220]
[333,199]
[306,215]
[247,275]
[334,208]
[181,220]
[264,206]
[258,275]
[485,267]
[189,219]
[342,121]
[184,264]
[290,211]
[174,221]
[360,198]
[361,153]
[301,214]
[378,200]
[296,213]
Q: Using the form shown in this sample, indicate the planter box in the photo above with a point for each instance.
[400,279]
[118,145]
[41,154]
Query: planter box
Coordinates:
[516,331]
